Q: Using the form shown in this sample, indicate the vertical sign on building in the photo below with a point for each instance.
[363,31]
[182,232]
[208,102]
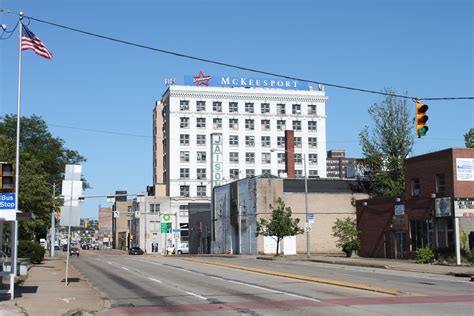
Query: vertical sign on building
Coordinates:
[216,160]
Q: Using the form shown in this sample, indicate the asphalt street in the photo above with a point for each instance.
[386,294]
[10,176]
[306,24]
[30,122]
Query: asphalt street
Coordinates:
[145,285]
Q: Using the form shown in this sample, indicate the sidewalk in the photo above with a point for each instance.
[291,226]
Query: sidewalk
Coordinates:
[393,264]
[44,292]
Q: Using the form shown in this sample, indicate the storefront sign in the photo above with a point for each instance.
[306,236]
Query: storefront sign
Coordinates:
[443,207]
[216,159]
[226,81]
[465,169]
[464,208]
[399,209]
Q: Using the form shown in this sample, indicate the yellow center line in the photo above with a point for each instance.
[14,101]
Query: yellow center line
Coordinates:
[300,277]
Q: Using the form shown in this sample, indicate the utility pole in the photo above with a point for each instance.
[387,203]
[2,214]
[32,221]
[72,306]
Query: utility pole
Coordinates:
[53,228]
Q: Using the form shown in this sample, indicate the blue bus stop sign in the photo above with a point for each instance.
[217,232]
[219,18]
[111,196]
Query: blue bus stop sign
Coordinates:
[7,201]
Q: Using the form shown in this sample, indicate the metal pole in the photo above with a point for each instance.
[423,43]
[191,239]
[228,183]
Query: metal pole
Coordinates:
[69,232]
[240,230]
[146,233]
[308,233]
[53,228]
[17,162]
[176,238]
[458,246]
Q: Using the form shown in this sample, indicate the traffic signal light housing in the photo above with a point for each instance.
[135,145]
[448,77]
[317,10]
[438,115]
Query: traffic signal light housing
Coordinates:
[7,177]
[421,119]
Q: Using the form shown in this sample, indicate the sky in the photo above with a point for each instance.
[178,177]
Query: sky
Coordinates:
[421,48]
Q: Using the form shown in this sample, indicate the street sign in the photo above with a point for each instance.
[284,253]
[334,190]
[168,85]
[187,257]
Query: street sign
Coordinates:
[165,228]
[176,230]
[307,227]
[7,207]
[399,209]
[310,218]
[116,214]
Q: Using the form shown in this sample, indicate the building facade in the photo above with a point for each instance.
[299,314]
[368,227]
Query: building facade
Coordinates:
[252,122]
[339,166]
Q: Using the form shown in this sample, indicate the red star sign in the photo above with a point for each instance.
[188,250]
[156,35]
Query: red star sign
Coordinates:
[202,79]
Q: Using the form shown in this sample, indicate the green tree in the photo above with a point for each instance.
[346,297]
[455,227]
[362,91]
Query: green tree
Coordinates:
[469,138]
[387,145]
[42,161]
[345,230]
[280,225]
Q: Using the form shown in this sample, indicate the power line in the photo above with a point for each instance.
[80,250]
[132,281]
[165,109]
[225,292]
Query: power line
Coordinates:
[100,131]
[210,61]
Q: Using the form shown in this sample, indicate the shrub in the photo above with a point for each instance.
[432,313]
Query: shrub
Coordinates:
[32,250]
[424,255]
[345,230]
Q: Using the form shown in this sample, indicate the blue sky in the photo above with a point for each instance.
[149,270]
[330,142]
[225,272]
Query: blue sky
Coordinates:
[419,47]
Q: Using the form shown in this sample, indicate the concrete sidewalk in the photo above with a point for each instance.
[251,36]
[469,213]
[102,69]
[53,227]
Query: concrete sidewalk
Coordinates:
[44,292]
[393,264]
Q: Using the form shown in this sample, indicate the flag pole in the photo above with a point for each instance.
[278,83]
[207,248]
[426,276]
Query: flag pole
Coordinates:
[17,162]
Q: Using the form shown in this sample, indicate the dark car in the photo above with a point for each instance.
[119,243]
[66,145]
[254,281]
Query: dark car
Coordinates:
[74,251]
[65,247]
[135,251]
[85,246]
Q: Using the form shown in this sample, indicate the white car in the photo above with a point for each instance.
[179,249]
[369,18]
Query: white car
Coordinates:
[183,248]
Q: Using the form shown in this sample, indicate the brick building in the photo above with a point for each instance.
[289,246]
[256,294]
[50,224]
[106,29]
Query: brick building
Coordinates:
[436,184]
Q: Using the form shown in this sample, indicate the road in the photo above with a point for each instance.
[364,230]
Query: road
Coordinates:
[146,285]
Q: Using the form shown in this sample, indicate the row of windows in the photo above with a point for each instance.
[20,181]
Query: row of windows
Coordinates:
[201,190]
[265,125]
[441,185]
[249,107]
[249,158]
[184,140]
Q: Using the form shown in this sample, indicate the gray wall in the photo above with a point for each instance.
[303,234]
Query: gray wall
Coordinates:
[199,228]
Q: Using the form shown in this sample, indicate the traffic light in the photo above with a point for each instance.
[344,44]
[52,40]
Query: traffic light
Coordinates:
[421,119]
[7,178]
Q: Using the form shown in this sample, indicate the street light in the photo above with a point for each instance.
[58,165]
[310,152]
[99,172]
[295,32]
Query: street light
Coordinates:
[308,232]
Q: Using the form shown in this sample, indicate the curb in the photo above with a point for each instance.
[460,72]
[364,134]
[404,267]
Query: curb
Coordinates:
[301,277]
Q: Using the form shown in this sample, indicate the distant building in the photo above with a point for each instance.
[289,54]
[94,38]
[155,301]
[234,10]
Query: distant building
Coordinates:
[121,210]
[339,166]
[105,226]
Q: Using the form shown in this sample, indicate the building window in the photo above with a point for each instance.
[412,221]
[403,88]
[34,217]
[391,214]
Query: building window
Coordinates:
[184,105]
[266,171]
[298,159]
[154,208]
[183,211]
[217,122]
[281,141]
[421,234]
[296,109]
[184,173]
[415,187]
[266,158]
[234,174]
[184,190]
[184,122]
[313,159]
[217,106]
[249,125]
[281,157]
[312,142]
[250,141]
[234,140]
[234,124]
[266,141]
[313,173]
[297,125]
[249,107]
[201,190]
[201,140]
[233,157]
[281,125]
[201,173]
[233,107]
[250,157]
[265,125]
[298,173]
[184,140]
[200,106]
[311,109]
[201,122]
[440,183]
[297,142]
[265,107]
[201,156]
[184,156]
[281,172]
[249,173]
[312,126]
[281,108]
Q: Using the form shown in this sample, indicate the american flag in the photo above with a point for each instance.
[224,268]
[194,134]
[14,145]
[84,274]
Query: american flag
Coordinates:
[30,41]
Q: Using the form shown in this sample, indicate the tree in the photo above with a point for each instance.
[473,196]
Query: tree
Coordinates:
[345,230]
[387,145]
[280,224]
[42,161]
[469,138]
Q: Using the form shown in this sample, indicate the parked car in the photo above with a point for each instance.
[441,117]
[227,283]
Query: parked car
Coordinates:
[183,248]
[74,251]
[56,247]
[65,247]
[85,247]
[135,251]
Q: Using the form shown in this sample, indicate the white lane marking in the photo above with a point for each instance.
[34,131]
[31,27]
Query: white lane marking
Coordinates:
[303,297]
[109,262]
[275,291]
[156,280]
[125,268]
[196,295]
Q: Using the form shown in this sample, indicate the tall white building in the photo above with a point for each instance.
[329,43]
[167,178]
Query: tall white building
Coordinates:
[252,121]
